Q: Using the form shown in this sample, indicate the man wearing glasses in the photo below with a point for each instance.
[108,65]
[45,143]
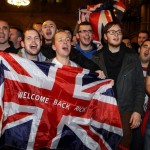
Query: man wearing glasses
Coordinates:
[85,43]
[123,66]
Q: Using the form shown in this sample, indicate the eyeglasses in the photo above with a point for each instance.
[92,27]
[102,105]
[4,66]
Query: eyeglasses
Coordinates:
[113,32]
[85,31]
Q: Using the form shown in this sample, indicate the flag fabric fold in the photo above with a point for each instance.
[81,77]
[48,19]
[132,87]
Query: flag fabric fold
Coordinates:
[100,14]
[44,106]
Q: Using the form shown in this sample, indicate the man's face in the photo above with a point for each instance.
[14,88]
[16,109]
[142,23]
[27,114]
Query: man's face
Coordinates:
[114,36]
[127,42]
[13,36]
[145,52]
[62,45]
[32,42]
[85,35]
[142,37]
[48,30]
[4,32]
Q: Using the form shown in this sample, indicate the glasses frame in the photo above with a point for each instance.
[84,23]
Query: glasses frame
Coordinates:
[113,32]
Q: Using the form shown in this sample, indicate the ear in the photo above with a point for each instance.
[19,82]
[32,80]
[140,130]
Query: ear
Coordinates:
[19,39]
[77,35]
[105,36]
[139,49]
[22,44]
[54,47]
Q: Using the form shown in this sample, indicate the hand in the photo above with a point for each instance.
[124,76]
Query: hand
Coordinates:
[135,120]
[112,82]
[101,74]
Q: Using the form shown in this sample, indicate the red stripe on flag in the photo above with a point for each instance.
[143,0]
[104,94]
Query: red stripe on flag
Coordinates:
[15,65]
[108,15]
[96,87]
[120,4]
[121,147]
[95,137]
[90,7]
[15,117]
[106,116]
[1,113]
[94,20]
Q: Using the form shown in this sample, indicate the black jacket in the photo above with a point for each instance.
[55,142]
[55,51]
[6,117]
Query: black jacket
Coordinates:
[11,49]
[75,56]
[130,82]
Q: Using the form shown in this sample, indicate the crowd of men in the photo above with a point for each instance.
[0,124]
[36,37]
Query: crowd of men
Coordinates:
[118,59]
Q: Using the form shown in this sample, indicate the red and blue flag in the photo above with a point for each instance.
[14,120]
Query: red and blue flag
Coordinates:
[44,106]
[100,14]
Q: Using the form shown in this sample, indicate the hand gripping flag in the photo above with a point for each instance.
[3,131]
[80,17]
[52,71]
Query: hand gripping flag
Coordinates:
[100,14]
[43,106]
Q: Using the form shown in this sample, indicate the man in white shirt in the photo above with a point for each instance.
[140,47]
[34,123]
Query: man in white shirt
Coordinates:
[61,44]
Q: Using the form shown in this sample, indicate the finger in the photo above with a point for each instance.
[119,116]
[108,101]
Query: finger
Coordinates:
[135,125]
[101,75]
[112,83]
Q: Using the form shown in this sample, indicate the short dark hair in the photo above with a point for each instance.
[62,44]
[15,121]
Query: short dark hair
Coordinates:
[145,41]
[126,37]
[68,29]
[110,24]
[37,23]
[19,30]
[5,22]
[83,23]
[145,31]
[30,29]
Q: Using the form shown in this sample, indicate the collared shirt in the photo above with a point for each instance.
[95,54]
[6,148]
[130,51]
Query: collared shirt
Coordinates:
[72,64]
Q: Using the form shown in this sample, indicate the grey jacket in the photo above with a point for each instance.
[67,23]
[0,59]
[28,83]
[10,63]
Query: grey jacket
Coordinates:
[130,83]
[41,57]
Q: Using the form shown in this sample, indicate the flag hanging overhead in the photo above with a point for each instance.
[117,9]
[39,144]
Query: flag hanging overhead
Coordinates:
[100,14]
[43,106]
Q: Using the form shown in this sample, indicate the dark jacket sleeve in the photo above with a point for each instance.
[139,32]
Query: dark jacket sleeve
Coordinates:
[82,61]
[140,88]
[47,51]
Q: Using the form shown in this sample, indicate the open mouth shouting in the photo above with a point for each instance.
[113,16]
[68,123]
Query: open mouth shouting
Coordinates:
[33,47]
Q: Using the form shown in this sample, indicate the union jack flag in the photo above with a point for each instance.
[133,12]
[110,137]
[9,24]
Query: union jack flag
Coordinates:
[44,106]
[100,14]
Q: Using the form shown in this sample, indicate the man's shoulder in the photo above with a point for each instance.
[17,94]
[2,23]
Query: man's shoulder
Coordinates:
[127,49]
[47,51]
[11,50]
[131,56]
[99,52]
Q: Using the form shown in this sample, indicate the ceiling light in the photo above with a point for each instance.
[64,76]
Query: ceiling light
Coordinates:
[19,2]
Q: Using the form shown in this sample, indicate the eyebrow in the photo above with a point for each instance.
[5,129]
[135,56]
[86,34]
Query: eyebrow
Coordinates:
[145,44]
[48,24]
[6,27]
[31,36]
